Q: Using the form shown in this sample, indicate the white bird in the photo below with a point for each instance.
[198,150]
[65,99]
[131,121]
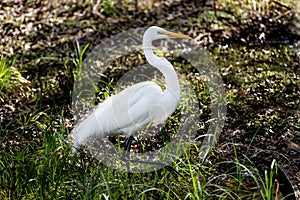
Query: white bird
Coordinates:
[137,106]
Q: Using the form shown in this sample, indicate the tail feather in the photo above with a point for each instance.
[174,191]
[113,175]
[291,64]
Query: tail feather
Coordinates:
[82,132]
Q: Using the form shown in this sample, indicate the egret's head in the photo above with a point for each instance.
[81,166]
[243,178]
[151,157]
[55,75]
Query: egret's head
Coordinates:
[155,33]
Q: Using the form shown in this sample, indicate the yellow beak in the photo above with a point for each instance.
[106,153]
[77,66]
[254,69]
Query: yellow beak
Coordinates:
[176,35]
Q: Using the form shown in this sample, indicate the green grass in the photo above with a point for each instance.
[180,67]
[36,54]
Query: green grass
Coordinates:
[261,83]
[78,60]
[51,172]
[45,168]
[11,80]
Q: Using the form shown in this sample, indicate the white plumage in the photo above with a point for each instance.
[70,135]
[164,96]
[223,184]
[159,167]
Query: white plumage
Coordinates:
[136,106]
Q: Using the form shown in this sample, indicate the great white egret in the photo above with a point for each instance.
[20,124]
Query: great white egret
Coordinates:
[137,106]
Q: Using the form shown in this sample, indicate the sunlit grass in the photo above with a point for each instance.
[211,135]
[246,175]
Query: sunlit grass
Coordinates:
[10,78]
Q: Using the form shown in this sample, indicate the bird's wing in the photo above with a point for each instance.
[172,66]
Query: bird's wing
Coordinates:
[124,113]
[129,110]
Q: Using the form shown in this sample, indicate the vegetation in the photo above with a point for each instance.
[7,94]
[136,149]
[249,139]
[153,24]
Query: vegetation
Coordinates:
[253,43]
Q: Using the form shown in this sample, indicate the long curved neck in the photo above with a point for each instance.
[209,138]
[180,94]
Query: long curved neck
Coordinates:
[166,68]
